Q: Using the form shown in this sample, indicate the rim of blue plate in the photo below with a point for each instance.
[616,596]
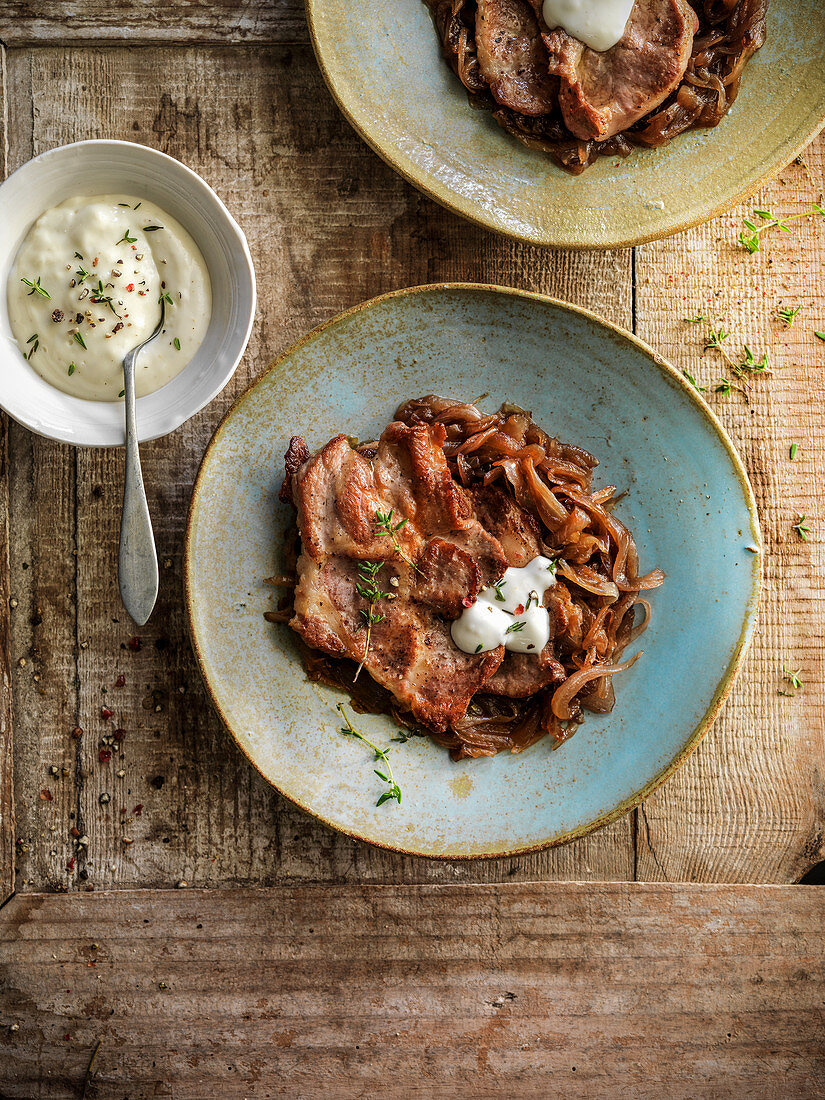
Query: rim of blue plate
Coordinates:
[726,681]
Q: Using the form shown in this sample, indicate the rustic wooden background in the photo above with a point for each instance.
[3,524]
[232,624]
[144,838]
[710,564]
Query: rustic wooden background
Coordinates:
[234,91]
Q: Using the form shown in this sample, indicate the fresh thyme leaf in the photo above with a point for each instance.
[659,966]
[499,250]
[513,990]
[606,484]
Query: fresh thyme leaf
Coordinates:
[36,288]
[100,297]
[693,382]
[498,585]
[792,677]
[368,590]
[34,341]
[166,297]
[819,335]
[788,315]
[72,369]
[126,239]
[801,528]
[176,342]
[77,256]
[393,790]
[479,647]
[513,628]
[750,364]
[151,228]
[386,527]
[78,336]
[749,236]
[553,566]
[122,393]
[724,387]
[793,450]
[787,694]
[81,274]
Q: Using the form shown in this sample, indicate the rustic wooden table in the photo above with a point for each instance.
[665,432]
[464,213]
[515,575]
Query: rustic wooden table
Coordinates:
[291,960]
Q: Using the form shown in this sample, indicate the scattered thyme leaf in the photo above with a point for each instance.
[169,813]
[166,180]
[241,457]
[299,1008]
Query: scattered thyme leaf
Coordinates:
[793,450]
[514,628]
[78,337]
[801,528]
[749,236]
[72,369]
[819,335]
[151,228]
[176,342]
[368,590]
[792,677]
[693,382]
[36,288]
[165,296]
[387,527]
[788,315]
[126,239]
[393,790]
[498,585]
[122,393]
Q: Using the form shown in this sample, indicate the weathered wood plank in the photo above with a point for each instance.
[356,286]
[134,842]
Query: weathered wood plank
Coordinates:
[425,991]
[329,225]
[751,803]
[79,22]
[6,760]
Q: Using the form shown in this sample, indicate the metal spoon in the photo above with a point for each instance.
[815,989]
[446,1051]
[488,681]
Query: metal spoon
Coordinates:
[137,559]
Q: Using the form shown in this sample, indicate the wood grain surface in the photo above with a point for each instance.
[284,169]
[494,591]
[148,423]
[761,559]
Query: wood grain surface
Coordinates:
[528,990]
[330,225]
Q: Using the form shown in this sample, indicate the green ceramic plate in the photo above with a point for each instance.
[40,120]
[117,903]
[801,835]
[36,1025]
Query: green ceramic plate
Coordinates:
[689,505]
[383,66]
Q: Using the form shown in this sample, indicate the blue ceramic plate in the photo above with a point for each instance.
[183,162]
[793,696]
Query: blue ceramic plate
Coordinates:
[689,505]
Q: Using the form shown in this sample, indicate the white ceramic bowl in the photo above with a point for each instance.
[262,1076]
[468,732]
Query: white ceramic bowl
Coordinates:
[106,167]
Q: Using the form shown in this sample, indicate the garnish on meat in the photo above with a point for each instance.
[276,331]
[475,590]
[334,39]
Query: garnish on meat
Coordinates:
[463,497]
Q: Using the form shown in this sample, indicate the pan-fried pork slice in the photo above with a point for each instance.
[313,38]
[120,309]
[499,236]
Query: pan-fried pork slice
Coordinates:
[601,94]
[512,57]
[339,495]
[520,675]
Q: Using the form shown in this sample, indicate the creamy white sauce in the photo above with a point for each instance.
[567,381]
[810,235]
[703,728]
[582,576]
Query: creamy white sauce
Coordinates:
[510,613]
[68,253]
[599,24]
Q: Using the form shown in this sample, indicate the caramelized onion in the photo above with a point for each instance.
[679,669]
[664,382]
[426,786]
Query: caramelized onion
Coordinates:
[563,696]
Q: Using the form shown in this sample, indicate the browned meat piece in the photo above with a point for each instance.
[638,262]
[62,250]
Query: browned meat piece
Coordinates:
[296,455]
[603,93]
[512,57]
[520,674]
[449,579]
[337,494]
[515,529]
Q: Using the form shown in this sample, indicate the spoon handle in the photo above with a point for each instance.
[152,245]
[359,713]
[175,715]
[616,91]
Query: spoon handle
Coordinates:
[137,559]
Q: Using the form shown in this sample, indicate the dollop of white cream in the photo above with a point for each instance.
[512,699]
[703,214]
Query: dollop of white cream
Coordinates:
[85,289]
[599,24]
[509,613]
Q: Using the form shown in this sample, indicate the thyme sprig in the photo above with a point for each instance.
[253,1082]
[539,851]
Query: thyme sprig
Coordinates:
[788,314]
[34,342]
[716,337]
[515,627]
[81,274]
[126,239]
[393,791]
[753,229]
[792,677]
[100,297]
[36,288]
[387,527]
[368,590]
[801,528]
[498,585]
[693,382]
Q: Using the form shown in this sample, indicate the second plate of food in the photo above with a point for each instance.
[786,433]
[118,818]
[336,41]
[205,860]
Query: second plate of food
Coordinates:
[451,495]
[384,66]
